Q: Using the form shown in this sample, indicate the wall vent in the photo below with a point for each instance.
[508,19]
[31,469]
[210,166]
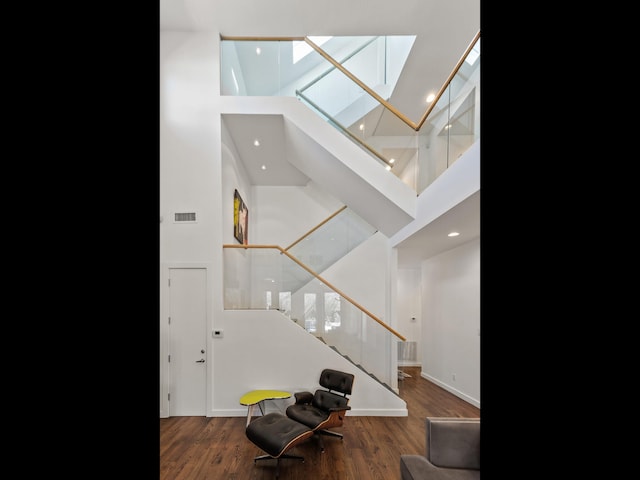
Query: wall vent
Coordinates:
[184,217]
[407,352]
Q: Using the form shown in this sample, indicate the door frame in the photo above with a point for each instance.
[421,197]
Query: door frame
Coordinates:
[164,333]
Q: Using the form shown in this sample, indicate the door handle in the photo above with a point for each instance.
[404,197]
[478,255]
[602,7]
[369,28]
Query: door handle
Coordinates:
[200,361]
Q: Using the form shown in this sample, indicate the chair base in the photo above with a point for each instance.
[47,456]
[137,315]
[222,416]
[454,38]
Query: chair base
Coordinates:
[277,459]
[269,457]
[328,433]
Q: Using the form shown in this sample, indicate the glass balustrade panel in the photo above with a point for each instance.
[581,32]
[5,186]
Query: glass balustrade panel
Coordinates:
[336,95]
[341,48]
[379,63]
[254,278]
[251,67]
[343,326]
[266,67]
[357,138]
[237,274]
[395,141]
[464,114]
[375,61]
[433,143]
[452,126]
[332,240]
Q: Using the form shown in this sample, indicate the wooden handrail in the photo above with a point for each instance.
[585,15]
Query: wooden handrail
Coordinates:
[261,39]
[316,227]
[302,265]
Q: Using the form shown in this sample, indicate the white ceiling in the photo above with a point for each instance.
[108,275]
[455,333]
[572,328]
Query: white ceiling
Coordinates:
[271,152]
[433,238]
[443,32]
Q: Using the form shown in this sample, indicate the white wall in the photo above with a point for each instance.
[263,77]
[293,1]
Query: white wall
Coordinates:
[261,351]
[451,320]
[443,294]
[361,274]
[409,307]
[189,145]
[287,213]
[190,173]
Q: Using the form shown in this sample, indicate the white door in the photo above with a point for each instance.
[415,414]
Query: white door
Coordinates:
[187,341]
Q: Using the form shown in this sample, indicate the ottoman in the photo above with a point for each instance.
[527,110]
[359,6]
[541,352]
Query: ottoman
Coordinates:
[276,434]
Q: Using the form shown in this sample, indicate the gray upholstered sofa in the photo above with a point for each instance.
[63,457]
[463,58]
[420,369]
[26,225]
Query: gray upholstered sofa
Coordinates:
[452,451]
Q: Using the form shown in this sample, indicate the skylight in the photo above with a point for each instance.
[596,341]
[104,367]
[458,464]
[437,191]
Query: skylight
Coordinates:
[302,49]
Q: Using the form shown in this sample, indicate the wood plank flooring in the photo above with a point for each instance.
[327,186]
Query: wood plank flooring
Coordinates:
[216,448]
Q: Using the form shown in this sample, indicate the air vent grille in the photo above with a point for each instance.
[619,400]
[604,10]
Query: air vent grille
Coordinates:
[407,352]
[184,217]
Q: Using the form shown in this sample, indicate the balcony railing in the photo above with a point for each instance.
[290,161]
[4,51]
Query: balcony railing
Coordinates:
[350,81]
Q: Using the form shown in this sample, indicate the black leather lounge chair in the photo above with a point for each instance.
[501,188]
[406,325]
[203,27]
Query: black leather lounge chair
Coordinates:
[326,408]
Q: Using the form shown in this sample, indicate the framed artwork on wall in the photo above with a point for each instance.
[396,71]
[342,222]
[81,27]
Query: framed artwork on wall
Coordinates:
[240,219]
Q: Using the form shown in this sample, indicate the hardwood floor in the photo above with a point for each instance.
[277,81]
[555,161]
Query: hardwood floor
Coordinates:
[199,448]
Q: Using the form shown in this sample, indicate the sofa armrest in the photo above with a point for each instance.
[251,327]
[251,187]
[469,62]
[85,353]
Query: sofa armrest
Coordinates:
[453,442]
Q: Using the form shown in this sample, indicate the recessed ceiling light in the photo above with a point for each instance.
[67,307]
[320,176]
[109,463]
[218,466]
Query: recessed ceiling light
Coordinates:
[361,126]
[388,167]
[430,97]
[256,142]
[263,167]
[391,160]
[258,51]
[453,234]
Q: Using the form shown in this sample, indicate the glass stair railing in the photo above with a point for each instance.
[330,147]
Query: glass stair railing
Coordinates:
[270,67]
[370,62]
[350,82]
[331,240]
[268,277]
